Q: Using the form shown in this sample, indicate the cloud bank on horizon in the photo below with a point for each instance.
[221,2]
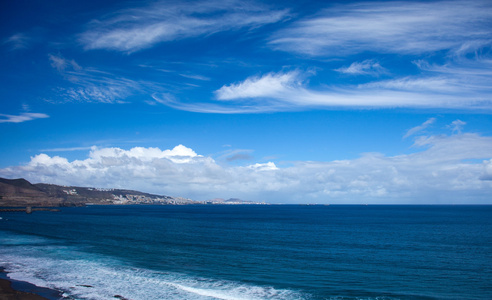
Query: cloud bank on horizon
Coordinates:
[447,168]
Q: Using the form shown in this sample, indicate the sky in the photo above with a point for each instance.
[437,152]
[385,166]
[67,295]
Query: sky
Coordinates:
[330,102]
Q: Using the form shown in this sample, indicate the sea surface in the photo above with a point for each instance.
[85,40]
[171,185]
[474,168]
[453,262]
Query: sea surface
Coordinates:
[253,251]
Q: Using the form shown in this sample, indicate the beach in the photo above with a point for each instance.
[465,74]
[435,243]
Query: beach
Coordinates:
[11,289]
[8,293]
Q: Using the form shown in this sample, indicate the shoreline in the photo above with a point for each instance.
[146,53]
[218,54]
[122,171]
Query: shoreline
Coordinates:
[7,292]
[11,289]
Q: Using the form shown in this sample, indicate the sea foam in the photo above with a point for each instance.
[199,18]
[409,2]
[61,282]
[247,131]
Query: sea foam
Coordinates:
[84,275]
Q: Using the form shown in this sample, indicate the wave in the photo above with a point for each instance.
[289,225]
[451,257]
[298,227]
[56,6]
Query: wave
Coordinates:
[80,274]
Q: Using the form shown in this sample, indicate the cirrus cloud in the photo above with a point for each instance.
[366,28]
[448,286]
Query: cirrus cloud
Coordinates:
[269,85]
[287,91]
[23,117]
[366,67]
[402,27]
[135,29]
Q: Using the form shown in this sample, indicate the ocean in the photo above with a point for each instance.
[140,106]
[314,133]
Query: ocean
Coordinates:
[253,251]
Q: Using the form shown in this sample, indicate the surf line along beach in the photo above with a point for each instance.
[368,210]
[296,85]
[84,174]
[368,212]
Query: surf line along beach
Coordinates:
[23,290]
[7,292]
[20,290]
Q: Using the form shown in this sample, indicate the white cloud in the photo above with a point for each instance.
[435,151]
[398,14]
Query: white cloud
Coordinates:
[23,117]
[443,171]
[269,166]
[269,85]
[419,128]
[287,91]
[366,67]
[403,27]
[487,170]
[179,154]
[93,85]
[138,28]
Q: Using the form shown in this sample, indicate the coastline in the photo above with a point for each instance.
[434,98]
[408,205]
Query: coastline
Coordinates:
[7,292]
[19,290]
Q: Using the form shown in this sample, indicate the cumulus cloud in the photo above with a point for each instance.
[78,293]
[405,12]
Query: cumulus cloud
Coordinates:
[23,117]
[134,29]
[269,166]
[487,170]
[447,169]
[402,27]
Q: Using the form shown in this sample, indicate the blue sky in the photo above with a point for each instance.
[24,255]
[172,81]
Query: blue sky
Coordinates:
[277,101]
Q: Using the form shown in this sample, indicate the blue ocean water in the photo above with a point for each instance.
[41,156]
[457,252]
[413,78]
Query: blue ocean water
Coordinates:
[253,252]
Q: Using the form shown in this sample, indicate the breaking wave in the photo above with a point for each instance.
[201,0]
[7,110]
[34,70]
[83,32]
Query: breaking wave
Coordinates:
[82,275]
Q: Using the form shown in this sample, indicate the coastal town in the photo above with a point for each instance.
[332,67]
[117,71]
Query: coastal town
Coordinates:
[21,193]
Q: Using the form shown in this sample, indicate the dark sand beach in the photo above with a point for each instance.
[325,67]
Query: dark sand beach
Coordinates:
[8,293]
[19,290]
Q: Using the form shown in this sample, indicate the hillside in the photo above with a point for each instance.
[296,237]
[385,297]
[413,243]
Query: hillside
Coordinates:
[20,192]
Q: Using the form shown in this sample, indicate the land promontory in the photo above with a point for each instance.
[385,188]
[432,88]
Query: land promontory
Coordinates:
[20,192]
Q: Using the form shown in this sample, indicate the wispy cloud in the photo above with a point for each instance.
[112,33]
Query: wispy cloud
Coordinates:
[269,85]
[18,41]
[23,117]
[195,76]
[402,27]
[61,64]
[443,170]
[139,28]
[366,67]
[457,126]
[92,85]
[419,128]
[206,107]
[287,91]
